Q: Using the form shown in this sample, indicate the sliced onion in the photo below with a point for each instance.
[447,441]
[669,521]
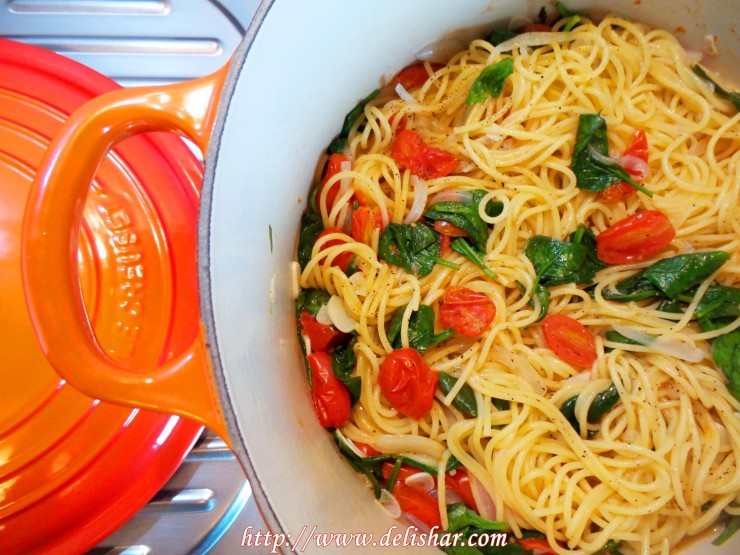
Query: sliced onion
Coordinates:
[422,526]
[359,283]
[533,39]
[295,279]
[421,481]
[338,315]
[389,503]
[636,167]
[710,41]
[405,95]
[670,347]
[421,189]
[452,195]
[518,21]
[440,51]
[483,500]
[349,443]
[523,369]
[345,182]
[322,316]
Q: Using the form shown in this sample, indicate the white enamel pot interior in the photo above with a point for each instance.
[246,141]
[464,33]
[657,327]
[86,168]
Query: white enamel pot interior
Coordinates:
[302,66]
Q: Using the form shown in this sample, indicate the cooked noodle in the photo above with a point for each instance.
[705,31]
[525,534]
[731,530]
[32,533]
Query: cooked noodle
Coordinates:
[672,443]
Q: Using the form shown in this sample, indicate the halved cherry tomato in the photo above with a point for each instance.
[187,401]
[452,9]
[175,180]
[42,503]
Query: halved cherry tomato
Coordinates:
[410,151]
[451,230]
[466,311]
[341,261]
[331,401]
[323,337]
[408,382]
[413,76]
[570,340]
[444,244]
[404,472]
[635,238]
[366,450]
[418,504]
[459,482]
[365,220]
[619,191]
[333,167]
[540,545]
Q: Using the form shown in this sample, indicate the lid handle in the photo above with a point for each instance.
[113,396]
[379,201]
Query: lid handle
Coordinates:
[51,227]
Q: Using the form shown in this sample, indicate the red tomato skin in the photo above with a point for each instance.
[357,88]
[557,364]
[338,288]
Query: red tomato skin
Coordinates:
[444,244]
[333,167]
[343,260]
[570,340]
[408,382]
[537,544]
[323,337]
[460,484]
[365,220]
[366,450]
[466,311]
[331,401]
[413,76]
[637,237]
[620,191]
[417,503]
[410,151]
[451,230]
[404,472]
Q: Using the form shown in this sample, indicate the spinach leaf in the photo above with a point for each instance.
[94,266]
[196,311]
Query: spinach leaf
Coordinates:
[465,216]
[601,404]
[733,97]
[726,355]
[490,81]
[413,247]
[464,401]
[558,262]
[719,301]
[460,516]
[421,329]
[311,300]
[671,306]
[343,363]
[372,472]
[633,288]
[501,404]
[311,226]
[612,547]
[337,145]
[460,245]
[497,36]
[732,526]
[680,273]
[593,174]
[616,337]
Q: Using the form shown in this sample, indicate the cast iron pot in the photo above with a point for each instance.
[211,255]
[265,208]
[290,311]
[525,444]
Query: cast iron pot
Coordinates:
[263,122]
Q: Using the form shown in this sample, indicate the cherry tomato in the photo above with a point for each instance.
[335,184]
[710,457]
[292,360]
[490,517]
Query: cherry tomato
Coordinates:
[446,228]
[465,311]
[619,191]
[333,167]
[459,482]
[408,382]
[366,450]
[404,472]
[418,504]
[323,337]
[341,261]
[331,400]
[570,340]
[444,244]
[413,76]
[365,220]
[635,238]
[540,545]
[410,151]
[535,28]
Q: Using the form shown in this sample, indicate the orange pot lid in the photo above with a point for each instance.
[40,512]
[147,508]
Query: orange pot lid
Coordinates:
[73,469]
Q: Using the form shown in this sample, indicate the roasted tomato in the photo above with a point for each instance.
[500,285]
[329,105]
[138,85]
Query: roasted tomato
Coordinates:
[466,311]
[459,482]
[366,450]
[635,238]
[570,340]
[410,151]
[413,76]
[331,400]
[341,261]
[408,382]
[333,167]
[620,191]
[418,504]
[323,337]
[451,230]
[365,220]
[539,545]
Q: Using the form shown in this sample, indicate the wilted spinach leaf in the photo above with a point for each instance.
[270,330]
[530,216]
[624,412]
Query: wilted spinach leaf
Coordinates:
[733,97]
[413,247]
[464,401]
[490,81]
[421,329]
[311,226]
[337,145]
[461,246]
[677,274]
[465,216]
[343,363]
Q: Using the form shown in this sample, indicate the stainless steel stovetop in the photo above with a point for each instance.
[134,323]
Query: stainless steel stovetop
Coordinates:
[207,504]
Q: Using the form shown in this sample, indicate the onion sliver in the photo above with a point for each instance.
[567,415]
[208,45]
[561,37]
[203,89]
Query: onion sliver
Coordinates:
[670,347]
[634,165]
[421,481]
[452,195]
[440,51]
[483,500]
[389,503]
[532,39]
[405,95]
[421,190]
[338,315]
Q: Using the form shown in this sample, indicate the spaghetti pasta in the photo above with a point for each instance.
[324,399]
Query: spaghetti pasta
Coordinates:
[662,461]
